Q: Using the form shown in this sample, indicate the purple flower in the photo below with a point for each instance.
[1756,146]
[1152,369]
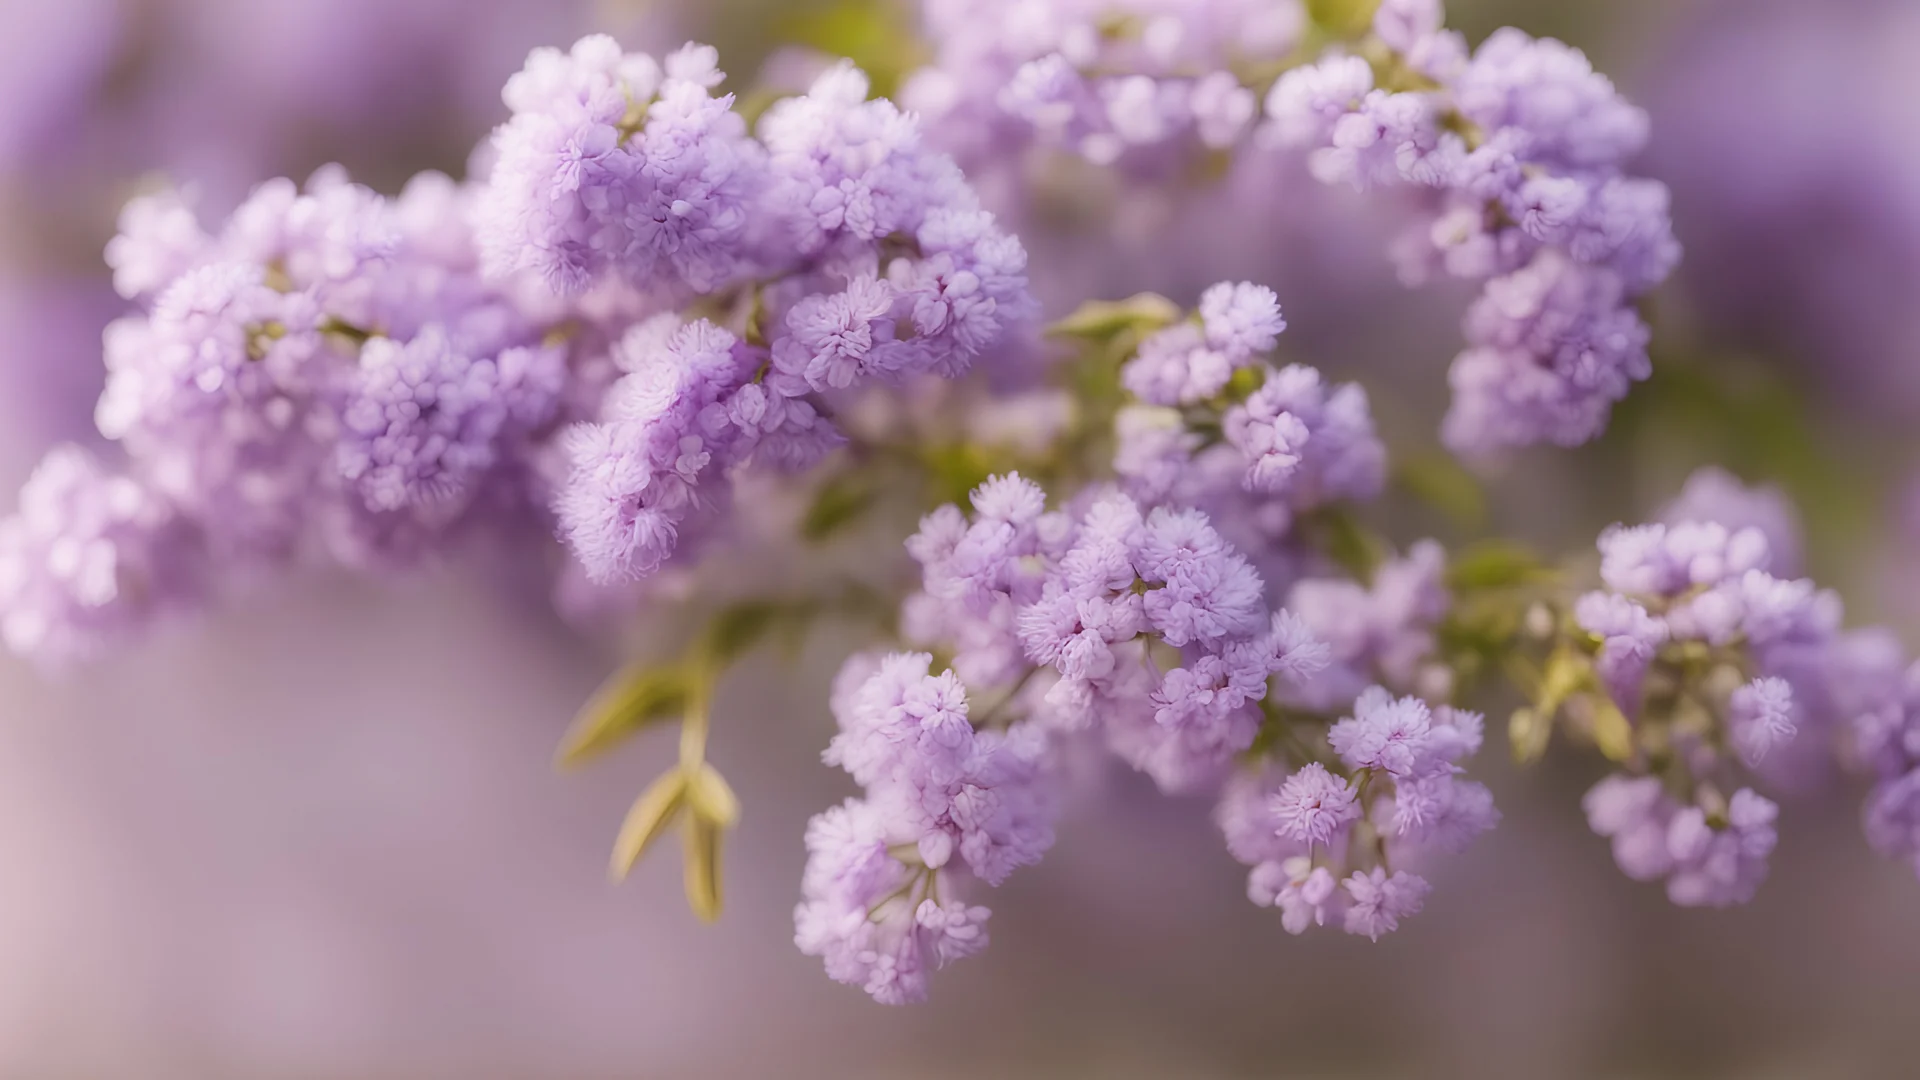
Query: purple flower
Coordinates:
[1715,495]
[648,467]
[1378,902]
[1629,638]
[1719,866]
[609,167]
[1760,716]
[89,559]
[1393,735]
[873,920]
[1208,591]
[1314,806]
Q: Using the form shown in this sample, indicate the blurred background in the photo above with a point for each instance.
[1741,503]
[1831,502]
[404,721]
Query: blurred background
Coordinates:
[320,836]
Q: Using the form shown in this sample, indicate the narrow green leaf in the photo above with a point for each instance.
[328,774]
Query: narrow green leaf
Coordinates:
[710,798]
[1568,670]
[955,469]
[1529,733]
[702,841]
[839,502]
[1494,564]
[877,35]
[1345,18]
[736,629]
[1612,731]
[1342,537]
[1105,318]
[635,698]
[1436,478]
[652,812]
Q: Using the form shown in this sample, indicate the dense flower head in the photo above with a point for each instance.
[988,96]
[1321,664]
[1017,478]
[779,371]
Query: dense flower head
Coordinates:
[650,465]
[1781,677]
[1520,147]
[88,559]
[906,737]
[969,804]
[1253,459]
[1382,633]
[1193,360]
[1137,84]
[423,423]
[1706,862]
[1551,348]
[615,165]
[1714,494]
[1883,740]
[1085,598]
[876,922]
[1318,839]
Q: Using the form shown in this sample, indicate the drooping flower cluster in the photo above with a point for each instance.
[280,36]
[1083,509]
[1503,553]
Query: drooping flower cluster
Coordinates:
[1218,427]
[89,559]
[1145,627]
[365,379]
[1520,145]
[616,165]
[1378,788]
[944,804]
[1707,858]
[873,263]
[1717,664]
[1139,84]
[643,296]
[327,375]
[1885,738]
[1381,632]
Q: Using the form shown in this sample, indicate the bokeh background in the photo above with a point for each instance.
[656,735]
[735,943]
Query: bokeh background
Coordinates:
[319,835]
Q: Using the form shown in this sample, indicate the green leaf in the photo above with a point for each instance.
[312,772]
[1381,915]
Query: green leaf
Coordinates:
[1345,18]
[839,502]
[1436,478]
[1342,537]
[635,698]
[955,469]
[1529,732]
[1612,731]
[736,629]
[702,841]
[1098,319]
[875,34]
[1494,564]
[652,812]
[1568,670]
[711,799]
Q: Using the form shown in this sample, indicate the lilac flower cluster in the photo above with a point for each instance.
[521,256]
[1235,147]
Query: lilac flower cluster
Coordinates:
[858,254]
[1706,653]
[327,375]
[1323,839]
[1885,736]
[1381,632]
[1139,84]
[944,804]
[1098,600]
[1715,860]
[1062,620]
[1218,427]
[617,165]
[643,298]
[1520,146]
[89,558]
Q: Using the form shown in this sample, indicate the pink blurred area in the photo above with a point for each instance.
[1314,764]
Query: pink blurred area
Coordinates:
[320,836]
